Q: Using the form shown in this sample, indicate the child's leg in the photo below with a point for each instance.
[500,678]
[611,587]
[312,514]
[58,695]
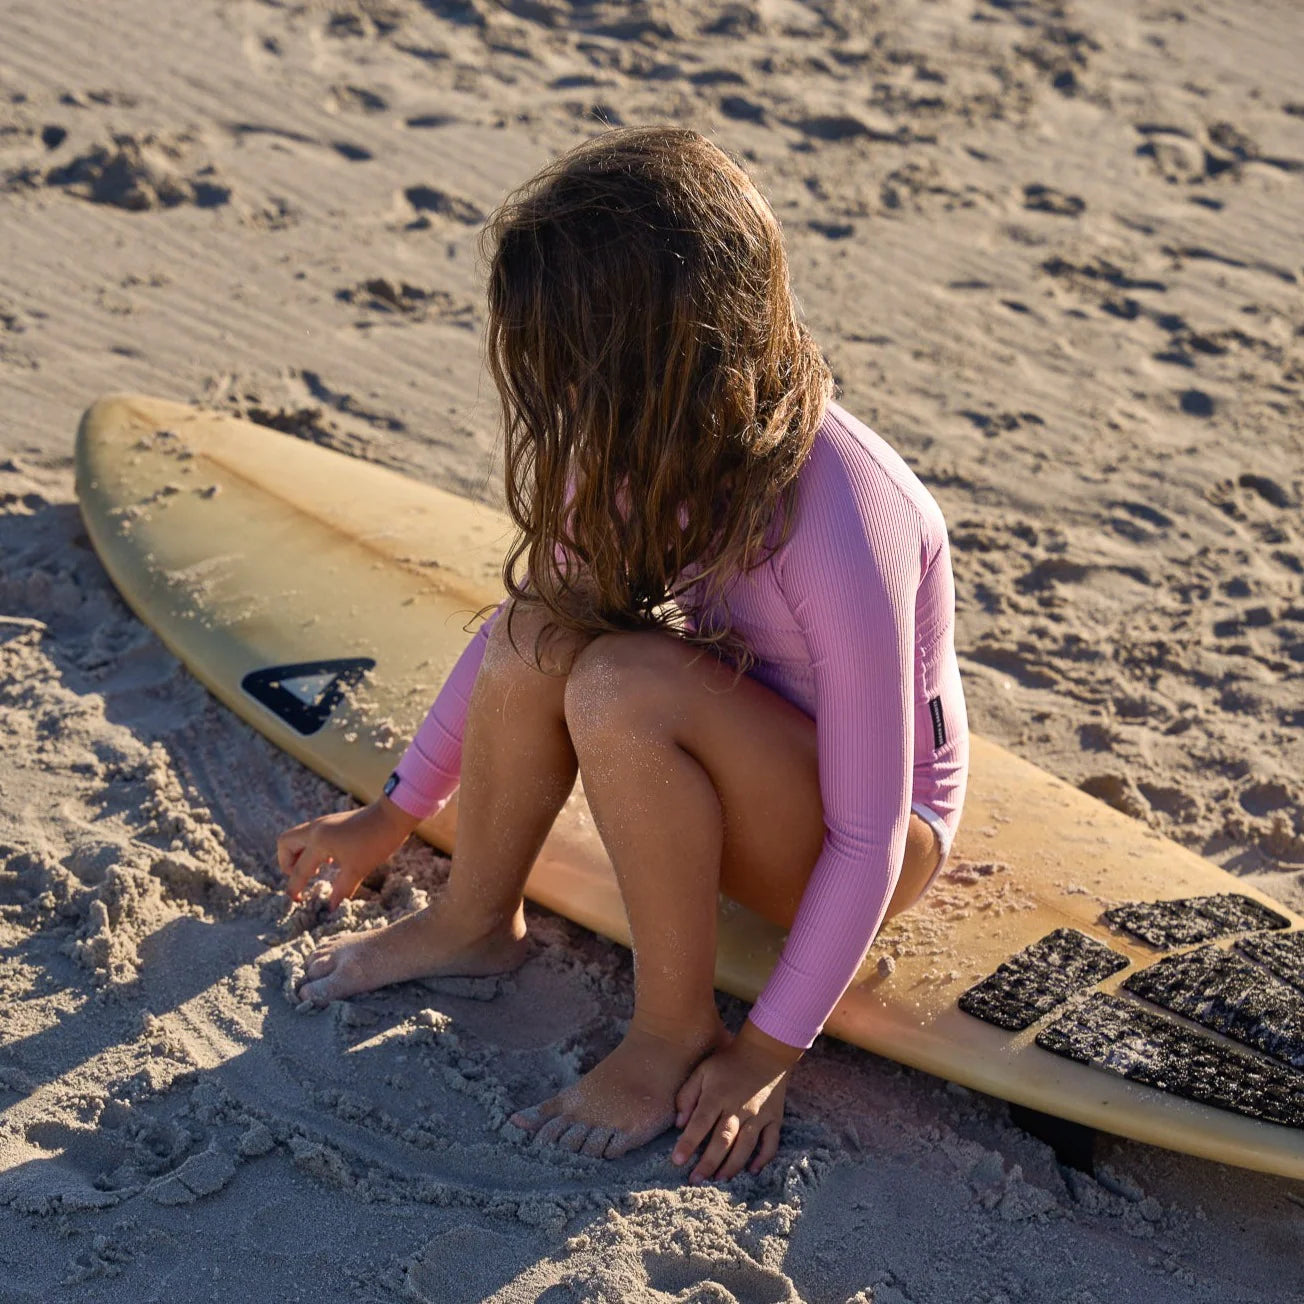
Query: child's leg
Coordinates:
[518,767]
[697,782]
[686,770]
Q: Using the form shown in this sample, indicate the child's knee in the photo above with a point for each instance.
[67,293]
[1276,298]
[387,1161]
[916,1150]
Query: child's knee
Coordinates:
[618,687]
[526,642]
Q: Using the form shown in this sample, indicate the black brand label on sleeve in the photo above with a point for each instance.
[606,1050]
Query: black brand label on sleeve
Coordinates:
[390,784]
[939,721]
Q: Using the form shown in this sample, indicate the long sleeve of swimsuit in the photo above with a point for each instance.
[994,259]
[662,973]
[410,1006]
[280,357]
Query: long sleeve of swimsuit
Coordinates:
[850,573]
[430,769]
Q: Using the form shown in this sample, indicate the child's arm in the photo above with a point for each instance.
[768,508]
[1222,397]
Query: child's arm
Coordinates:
[356,842]
[851,573]
[429,770]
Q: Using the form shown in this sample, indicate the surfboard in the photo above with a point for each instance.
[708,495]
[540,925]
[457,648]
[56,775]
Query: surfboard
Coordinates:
[1070,960]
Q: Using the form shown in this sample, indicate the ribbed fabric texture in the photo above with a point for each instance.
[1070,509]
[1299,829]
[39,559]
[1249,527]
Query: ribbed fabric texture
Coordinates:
[852,620]
[429,770]
[860,610]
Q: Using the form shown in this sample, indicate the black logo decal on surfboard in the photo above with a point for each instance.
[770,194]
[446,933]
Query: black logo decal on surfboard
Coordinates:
[305,694]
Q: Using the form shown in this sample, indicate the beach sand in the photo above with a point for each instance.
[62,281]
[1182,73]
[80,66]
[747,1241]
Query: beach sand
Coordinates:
[1053,251]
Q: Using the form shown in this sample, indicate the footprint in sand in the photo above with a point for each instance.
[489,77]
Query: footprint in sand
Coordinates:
[356,99]
[242,131]
[425,200]
[1137,522]
[1046,199]
[1196,403]
[142,173]
[400,299]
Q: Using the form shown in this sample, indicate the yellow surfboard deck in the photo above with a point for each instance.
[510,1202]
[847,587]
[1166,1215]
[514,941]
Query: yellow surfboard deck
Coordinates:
[255,556]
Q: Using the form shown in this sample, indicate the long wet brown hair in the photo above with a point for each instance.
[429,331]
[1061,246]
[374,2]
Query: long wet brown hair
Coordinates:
[659,391]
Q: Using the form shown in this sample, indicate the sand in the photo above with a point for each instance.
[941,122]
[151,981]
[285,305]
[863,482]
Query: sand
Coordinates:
[1053,252]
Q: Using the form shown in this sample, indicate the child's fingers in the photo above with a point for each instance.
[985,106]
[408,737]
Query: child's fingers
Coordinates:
[345,885]
[741,1150]
[768,1148]
[722,1139]
[687,1096]
[699,1125]
[306,865]
[289,846]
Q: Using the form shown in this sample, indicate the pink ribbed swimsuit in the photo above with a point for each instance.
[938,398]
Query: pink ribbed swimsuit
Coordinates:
[852,620]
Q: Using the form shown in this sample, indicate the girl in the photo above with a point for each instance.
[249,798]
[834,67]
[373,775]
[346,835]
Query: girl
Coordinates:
[730,610]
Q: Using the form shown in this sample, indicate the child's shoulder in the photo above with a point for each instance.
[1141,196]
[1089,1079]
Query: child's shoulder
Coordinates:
[852,462]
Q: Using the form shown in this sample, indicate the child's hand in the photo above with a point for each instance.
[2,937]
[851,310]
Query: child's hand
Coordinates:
[736,1097]
[355,841]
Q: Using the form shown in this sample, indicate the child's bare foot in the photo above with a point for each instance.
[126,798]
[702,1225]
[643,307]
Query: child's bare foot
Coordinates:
[628,1098]
[421,945]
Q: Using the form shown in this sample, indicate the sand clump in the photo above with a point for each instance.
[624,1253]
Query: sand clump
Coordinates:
[139,174]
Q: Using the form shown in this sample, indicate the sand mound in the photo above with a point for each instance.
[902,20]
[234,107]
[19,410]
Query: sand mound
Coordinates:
[140,174]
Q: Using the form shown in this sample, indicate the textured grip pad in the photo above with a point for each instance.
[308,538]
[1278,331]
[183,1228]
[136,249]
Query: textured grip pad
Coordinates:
[1040,977]
[1281,953]
[1223,991]
[1110,1033]
[1193,919]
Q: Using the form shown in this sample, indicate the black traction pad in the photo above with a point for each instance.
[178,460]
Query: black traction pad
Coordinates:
[1189,920]
[1040,977]
[1111,1033]
[1281,953]
[1225,992]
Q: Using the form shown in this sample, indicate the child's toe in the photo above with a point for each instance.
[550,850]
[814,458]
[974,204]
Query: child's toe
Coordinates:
[320,963]
[595,1144]
[621,1143]
[550,1133]
[532,1119]
[573,1137]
